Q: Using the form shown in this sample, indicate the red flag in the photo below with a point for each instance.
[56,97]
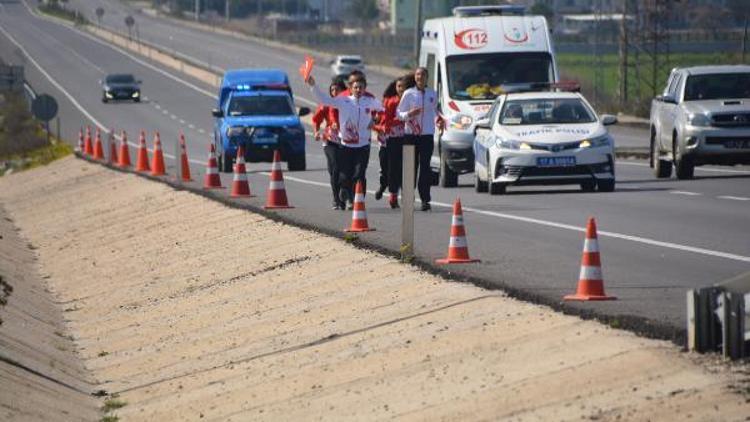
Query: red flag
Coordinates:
[306,68]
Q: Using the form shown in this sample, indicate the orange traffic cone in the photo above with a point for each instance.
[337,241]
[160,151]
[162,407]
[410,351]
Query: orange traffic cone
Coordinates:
[98,147]
[184,162]
[212,179]
[590,281]
[359,214]
[141,162]
[276,195]
[112,159]
[240,186]
[458,248]
[157,166]
[88,147]
[80,141]
[124,156]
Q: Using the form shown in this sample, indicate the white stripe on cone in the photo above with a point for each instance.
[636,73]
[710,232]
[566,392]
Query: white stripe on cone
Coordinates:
[359,215]
[276,185]
[212,170]
[240,177]
[458,220]
[458,242]
[276,165]
[590,273]
[359,197]
[591,245]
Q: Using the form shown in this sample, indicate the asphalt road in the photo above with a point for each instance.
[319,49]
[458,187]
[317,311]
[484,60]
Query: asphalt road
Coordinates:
[658,237]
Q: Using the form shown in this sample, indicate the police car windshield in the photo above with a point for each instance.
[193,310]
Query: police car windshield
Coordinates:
[545,112]
[717,86]
[260,105]
[479,76]
[120,79]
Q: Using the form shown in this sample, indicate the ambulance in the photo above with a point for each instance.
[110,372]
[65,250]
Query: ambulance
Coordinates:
[472,57]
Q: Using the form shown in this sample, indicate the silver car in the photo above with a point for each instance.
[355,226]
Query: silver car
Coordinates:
[702,117]
[344,65]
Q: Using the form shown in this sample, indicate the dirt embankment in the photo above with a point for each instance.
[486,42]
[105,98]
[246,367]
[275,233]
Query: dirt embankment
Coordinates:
[194,311]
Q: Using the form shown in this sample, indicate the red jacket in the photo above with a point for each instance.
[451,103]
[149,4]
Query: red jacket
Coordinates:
[326,114]
[388,123]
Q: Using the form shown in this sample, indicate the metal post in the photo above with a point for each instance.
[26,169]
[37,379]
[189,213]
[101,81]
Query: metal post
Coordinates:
[178,160]
[197,10]
[417,32]
[108,148]
[59,138]
[407,202]
[226,10]
[744,41]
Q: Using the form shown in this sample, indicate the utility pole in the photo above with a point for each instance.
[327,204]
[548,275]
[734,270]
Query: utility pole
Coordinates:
[417,31]
[197,10]
[744,41]
[624,56]
[226,10]
[260,8]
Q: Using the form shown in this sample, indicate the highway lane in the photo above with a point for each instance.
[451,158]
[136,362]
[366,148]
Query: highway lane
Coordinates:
[529,239]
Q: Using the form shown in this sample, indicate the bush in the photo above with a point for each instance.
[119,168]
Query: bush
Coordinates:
[19,132]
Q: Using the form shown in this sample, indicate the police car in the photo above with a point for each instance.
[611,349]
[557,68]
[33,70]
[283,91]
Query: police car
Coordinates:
[256,110]
[543,138]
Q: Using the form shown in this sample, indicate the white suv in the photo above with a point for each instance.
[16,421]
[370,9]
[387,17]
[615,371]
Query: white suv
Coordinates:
[344,65]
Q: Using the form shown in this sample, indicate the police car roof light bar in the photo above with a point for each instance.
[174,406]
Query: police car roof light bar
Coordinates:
[475,11]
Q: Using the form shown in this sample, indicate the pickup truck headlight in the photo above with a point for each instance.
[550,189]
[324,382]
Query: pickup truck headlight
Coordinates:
[109,95]
[235,131]
[698,119]
[136,94]
[602,141]
[461,121]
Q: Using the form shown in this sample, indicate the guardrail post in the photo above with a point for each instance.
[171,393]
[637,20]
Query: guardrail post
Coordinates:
[703,324]
[734,326]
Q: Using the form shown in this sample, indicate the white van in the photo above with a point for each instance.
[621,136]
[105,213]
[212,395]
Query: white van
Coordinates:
[470,56]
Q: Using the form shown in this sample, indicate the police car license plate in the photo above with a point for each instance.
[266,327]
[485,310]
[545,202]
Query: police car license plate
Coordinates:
[737,143]
[556,161]
[265,138]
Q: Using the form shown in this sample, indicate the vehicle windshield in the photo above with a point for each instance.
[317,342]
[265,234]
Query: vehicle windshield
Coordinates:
[717,86]
[120,79]
[480,76]
[260,105]
[545,111]
[351,61]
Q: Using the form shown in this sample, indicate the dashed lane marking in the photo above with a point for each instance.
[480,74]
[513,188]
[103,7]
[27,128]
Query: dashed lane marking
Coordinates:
[734,198]
[686,193]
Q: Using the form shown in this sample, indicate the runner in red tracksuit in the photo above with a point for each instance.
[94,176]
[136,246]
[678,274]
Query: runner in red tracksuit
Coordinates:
[391,129]
[331,143]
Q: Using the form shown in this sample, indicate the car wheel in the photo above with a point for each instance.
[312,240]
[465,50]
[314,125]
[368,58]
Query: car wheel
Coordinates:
[588,186]
[662,168]
[225,163]
[104,100]
[448,177]
[479,185]
[606,185]
[296,162]
[137,100]
[683,166]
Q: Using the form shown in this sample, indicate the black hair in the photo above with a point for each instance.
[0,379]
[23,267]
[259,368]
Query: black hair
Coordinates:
[340,85]
[409,81]
[390,90]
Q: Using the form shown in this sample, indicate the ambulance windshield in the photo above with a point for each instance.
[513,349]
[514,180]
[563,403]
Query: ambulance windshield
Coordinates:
[480,76]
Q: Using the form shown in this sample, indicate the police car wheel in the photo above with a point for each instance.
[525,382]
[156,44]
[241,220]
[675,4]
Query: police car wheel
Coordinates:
[479,185]
[296,162]
[606,185]
[588,186]
[496,188]
[225,163]
[448,177]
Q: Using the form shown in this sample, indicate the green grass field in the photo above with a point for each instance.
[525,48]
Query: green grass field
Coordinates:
[583,68]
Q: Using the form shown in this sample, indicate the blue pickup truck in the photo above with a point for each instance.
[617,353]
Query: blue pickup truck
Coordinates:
[256,110]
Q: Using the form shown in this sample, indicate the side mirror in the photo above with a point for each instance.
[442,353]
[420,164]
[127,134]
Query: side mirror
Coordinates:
[483,123]
[217,113]
[608,119]
[304,111]
[668,99]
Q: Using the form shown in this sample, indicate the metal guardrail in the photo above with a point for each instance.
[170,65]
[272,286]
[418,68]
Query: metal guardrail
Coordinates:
[718,318]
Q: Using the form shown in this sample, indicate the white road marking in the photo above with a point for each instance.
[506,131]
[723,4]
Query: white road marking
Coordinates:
[201,131]
[182,121]
[734,198]
[191,126]
[165,112]
[157,106]
[173,117]
[686,193]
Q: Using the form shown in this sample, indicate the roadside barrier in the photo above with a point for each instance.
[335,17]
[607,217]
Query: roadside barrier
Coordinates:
[88,147]
[98,146]
[157,166]
[141,162]
[458,247]
[590,280]
[240,185]
[359,213]
[276,196]
[212,179]
[124,156]
[184,162]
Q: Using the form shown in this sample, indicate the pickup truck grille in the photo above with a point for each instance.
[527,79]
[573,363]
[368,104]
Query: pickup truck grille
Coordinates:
[555,147]
[731,120]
